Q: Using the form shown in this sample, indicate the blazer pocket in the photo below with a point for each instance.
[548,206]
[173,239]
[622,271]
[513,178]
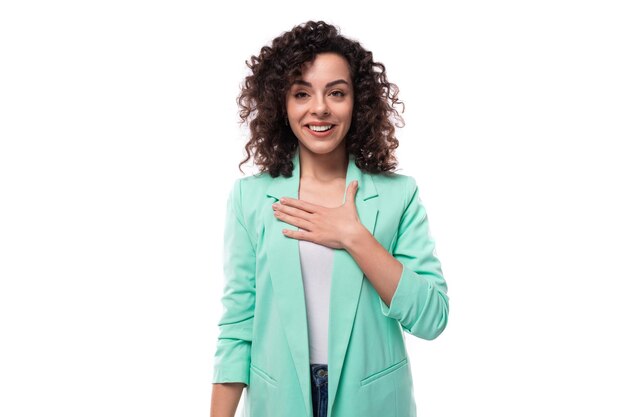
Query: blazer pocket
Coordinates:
[373,377]
[263,375]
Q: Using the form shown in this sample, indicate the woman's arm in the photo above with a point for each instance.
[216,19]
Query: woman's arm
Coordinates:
[225,398]
[232,355]
[409,280]
[378,265]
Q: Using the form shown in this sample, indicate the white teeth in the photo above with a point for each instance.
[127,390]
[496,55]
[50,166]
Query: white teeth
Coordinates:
[320,128]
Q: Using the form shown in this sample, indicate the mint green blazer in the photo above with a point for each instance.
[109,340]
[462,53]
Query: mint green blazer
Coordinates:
[263,337]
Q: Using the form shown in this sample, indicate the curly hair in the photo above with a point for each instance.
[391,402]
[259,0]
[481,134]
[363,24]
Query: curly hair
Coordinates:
[262,101]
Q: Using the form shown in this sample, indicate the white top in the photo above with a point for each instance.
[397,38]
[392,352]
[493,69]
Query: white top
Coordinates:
[316,262]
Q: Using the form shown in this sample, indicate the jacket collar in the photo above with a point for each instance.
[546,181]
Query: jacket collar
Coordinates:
[286,274]
[288,186]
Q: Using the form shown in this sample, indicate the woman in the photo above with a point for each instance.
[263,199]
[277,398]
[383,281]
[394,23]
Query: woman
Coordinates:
[328,257]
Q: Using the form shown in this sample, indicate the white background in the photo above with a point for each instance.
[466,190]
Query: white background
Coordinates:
[120,140]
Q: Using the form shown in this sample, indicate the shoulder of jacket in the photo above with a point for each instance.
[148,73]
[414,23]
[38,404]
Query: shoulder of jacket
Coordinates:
[251,190]
[402,183]
[254,183]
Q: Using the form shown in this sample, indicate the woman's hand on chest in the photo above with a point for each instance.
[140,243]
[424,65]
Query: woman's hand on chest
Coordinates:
[329,226]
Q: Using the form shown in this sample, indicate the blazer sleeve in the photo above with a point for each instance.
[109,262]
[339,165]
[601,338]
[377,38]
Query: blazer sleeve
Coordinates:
[232,355]
[420,303]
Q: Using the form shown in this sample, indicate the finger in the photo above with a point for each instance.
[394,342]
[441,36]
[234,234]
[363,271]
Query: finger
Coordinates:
[351,193]
[296,221]
[298,234]
[301,204]
[294,211]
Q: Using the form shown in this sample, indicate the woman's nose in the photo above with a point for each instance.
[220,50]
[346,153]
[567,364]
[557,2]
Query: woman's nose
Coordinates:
[319,106]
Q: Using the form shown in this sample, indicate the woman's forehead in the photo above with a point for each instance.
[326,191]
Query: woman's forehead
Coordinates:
[323,70]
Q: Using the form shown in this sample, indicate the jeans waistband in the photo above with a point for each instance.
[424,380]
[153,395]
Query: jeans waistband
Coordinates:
[319,373]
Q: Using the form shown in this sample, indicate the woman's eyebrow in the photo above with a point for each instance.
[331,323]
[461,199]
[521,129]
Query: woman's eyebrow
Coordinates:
[330,84]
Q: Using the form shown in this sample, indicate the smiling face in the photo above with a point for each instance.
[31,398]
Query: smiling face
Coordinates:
[322,97]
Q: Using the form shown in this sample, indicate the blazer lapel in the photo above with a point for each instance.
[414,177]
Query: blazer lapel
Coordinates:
[347,279]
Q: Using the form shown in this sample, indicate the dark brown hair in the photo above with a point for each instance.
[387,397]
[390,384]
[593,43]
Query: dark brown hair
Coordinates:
[371,137]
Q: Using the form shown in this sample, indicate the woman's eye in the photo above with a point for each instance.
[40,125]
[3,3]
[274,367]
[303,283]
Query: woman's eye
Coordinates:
[334,93]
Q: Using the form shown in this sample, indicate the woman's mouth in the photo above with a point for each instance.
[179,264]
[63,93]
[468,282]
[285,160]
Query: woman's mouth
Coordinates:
[320,131]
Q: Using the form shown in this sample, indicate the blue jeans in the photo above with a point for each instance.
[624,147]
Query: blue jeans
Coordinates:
[319,389]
